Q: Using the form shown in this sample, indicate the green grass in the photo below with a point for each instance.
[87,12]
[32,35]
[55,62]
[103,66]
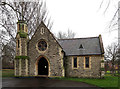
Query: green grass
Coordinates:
[107,81]
[7,73]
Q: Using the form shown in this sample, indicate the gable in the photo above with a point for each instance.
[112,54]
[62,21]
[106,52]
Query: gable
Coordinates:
[43,33]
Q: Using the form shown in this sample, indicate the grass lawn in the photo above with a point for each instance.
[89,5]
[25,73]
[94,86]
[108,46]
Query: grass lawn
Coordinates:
[106,83]
[7,73]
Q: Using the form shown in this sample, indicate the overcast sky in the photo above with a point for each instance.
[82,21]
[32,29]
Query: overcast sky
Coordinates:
[83,17]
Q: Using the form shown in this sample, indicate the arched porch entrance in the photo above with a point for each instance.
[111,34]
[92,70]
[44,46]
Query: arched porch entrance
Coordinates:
[43,66]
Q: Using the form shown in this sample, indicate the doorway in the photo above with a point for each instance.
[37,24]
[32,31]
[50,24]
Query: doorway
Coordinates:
[43,66]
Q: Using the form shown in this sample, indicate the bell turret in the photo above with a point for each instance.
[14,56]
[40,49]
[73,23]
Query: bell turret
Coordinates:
[21,59]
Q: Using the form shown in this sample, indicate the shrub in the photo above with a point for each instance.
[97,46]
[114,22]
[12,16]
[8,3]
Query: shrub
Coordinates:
[102,69]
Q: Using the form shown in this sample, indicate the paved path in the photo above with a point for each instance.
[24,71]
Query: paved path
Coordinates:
[43,82]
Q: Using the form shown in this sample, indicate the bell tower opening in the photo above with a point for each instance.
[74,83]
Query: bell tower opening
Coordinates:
[43,67]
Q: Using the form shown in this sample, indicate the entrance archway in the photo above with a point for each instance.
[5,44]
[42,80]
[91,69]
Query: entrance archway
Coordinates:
[43,67]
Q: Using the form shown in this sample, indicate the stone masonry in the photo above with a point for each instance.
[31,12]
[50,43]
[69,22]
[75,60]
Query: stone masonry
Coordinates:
[93,72]
[52,53]
[59,64]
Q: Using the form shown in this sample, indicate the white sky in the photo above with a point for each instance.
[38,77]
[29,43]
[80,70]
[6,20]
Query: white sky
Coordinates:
[83,18]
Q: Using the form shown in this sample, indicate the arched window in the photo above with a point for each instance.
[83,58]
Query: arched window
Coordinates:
[18,44]
[21,27]
[42,30]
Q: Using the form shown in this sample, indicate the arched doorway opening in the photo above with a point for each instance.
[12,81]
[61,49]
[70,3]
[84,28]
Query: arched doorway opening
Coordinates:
[43,67]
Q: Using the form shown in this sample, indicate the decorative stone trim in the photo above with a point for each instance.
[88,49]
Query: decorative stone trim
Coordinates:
[26,48]
[102,73]
[42,30]
[73,63]
[60,51]
[36,66]
[24,28]
[38,49]
[20,50]
[102,69]
[102,65]
[20,67]
[26,66]
[63,74]
[15,67]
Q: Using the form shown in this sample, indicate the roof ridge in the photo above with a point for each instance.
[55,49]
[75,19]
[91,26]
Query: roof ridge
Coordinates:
[79,38]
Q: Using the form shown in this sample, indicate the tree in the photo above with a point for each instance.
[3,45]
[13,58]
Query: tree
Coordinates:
[8,55]
[63,35]
[106,4]
[112,54]
[32,12]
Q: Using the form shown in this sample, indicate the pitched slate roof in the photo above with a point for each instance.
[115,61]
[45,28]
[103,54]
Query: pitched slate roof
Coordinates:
[90,46]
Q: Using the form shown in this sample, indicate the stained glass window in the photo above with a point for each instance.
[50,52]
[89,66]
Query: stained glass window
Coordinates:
[42,45]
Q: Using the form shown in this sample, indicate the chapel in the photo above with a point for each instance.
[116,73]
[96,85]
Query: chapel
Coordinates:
[44,55]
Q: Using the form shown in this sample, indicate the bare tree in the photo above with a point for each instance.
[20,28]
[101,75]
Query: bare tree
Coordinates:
[31,12]
[63,35]
[114,20]
[112,54]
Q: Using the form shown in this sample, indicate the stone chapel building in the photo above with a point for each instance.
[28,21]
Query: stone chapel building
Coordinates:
[44,55]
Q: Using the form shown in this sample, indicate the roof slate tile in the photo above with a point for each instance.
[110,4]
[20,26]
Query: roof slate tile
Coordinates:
[91,46]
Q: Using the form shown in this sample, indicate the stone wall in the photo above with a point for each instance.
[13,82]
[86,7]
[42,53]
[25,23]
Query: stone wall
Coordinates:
[21,65]
[52,53]
[24,46]
[94,71]
[16,66]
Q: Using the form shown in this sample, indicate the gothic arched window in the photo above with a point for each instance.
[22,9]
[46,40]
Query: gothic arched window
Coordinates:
[18,44]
